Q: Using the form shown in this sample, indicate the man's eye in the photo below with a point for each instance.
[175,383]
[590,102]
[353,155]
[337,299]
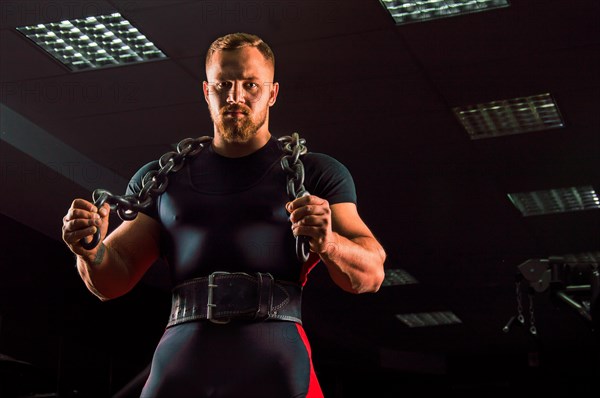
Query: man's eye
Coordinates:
[251,86]
[223,85]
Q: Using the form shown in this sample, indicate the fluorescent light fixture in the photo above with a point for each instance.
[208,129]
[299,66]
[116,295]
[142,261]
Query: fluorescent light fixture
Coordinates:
[408,11]
[398,277]
[422,319]
[511,116]
[93,42]
[582,258]
[561,200]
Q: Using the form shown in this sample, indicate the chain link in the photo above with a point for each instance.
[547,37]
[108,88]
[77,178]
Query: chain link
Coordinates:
[294,147]
[154,183]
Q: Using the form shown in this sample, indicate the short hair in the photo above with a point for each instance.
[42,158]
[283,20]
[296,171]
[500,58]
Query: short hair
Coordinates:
[234,41]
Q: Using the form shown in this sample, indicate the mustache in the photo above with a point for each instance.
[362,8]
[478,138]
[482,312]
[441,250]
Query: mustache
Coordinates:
[236,109]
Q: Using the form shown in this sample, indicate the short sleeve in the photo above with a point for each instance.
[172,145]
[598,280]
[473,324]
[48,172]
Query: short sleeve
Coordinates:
[328,178]
[135,186]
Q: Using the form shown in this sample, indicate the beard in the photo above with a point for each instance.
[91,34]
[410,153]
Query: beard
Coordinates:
[237,129]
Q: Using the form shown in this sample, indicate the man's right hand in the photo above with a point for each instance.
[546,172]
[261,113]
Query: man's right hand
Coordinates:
[81,222]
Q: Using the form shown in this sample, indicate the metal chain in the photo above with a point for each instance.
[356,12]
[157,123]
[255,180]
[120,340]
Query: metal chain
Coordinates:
[532,328]
[294,147]
[520,316]
[154,183]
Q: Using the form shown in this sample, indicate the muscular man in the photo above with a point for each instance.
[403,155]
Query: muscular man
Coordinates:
[226,215]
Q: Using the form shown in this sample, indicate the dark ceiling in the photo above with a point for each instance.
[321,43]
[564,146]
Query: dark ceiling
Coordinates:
[376,96]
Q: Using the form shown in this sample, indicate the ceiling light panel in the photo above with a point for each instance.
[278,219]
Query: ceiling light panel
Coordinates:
[553,201]
[398,277]
[422,319]
[511,116]
[93,42]
[407,11]
[582,258]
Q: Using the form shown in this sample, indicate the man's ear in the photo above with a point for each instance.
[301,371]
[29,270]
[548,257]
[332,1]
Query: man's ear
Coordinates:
[273,93]
[205,90]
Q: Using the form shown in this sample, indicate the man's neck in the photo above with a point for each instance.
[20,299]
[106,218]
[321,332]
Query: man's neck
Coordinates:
[240,149]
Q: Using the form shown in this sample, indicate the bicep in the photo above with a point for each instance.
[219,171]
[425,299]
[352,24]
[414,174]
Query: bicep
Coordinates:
[347,222]
[137,244]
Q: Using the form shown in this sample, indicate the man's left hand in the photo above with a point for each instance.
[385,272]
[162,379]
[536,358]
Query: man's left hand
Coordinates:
[311,216]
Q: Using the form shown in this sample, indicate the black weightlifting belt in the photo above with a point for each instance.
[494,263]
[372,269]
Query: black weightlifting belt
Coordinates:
[223,296]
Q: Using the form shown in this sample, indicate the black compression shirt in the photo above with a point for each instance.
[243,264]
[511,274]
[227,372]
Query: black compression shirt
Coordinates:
[228,214]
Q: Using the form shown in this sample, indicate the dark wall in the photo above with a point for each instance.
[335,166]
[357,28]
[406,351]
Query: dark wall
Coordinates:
[73,344]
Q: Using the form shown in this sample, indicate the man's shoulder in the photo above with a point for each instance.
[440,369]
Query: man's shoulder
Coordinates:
[322,161]
[142,171]
[135,183]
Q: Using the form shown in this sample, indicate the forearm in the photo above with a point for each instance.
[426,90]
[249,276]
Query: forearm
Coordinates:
[104,273]
[356,264]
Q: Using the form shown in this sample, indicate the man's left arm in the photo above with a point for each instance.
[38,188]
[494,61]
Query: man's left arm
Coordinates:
[353,256]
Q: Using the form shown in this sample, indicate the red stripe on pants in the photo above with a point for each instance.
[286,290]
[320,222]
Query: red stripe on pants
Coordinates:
[314,389]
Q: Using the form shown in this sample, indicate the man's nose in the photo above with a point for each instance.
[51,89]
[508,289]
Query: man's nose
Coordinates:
[236,94]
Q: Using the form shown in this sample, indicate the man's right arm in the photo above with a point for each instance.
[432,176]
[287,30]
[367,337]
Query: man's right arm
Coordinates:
[116,265]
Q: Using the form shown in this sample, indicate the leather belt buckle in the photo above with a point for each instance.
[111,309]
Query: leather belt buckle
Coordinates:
[210,305]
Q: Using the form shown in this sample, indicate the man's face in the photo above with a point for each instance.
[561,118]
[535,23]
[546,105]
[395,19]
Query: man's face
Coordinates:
[239,92]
